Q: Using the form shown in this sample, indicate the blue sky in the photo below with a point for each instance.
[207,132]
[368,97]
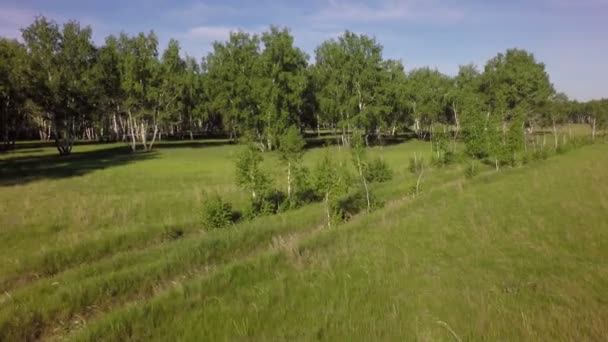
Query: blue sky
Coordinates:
[569,36]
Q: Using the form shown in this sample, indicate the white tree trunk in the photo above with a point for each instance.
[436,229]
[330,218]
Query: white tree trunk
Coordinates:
[288,179]
[131,125]
[153,136]
[143,134]
[327,212]
[364,184]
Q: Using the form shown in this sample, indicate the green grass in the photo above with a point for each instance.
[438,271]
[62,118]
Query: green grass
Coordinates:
[52,223]
[87,253]
[520,255]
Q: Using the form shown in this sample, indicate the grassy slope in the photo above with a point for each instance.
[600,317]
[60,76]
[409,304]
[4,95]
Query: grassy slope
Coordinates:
[57,220]
[76,247]
[520,255]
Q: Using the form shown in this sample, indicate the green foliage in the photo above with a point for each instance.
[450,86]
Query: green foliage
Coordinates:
[271,202]
[426,94]
[347,205]
[377,170]
[231,68]
[472,169]
[290,152]
[60,85]
[13,91]
[348,73]
[540,154]
[61,63]
[360,163]
[515,81]
[291,145]
[332,181]
[303,191]
[416,164]
[475,134]
[441,141]
[249,175]
[216,213]
[281,85]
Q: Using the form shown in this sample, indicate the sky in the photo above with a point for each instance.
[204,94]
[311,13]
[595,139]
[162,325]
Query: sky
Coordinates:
[569,36]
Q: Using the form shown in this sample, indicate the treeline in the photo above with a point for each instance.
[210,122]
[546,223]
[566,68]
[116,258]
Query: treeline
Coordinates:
[59,85]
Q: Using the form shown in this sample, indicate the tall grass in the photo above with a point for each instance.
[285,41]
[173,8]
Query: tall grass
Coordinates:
[518,255]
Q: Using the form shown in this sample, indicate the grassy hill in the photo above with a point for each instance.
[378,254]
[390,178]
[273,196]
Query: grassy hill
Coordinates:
[117,252]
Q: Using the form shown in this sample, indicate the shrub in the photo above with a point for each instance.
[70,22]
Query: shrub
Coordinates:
[540,154]
[304,191]
[444,159]
[525,158]
[580,141]
[471,170]
[378,171]
[172,233]
[217,213]
[450,157]
[350,204]
[249,175]
[416,165]
[269,203]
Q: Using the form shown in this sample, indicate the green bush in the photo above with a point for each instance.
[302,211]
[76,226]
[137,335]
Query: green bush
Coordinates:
[348,205]
[540,154]
[472,169]
[561,149]
[217,213]
[416,165]
[378,171]
[172,233]
[444,159]
[303,191]
[525,158]
[269,203]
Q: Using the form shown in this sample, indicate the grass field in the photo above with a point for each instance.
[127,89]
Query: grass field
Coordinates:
[89,251]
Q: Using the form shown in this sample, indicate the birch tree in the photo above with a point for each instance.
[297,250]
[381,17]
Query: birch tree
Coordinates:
[231,70]
[349,72]
[13,91]
[360,162]
[60,72]
[281,83]
[139,67]
[290,152]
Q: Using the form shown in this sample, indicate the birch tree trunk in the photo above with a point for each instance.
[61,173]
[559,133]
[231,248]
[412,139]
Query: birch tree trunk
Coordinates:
[153,136]
[364,184]
[131,126]
[327,212]
[289,179]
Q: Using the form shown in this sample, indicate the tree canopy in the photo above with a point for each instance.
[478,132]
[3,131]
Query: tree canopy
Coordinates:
[57,84]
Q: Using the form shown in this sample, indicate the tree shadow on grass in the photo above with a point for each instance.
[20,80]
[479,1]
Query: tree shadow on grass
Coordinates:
[329,140]
[192,143]
[22,170]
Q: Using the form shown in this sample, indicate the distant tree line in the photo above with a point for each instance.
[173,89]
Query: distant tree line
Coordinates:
[58,85]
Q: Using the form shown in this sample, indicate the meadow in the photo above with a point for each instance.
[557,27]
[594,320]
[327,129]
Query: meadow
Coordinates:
[108,245]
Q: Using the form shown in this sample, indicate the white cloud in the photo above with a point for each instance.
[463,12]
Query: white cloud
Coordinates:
[210,33]
[384,11]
